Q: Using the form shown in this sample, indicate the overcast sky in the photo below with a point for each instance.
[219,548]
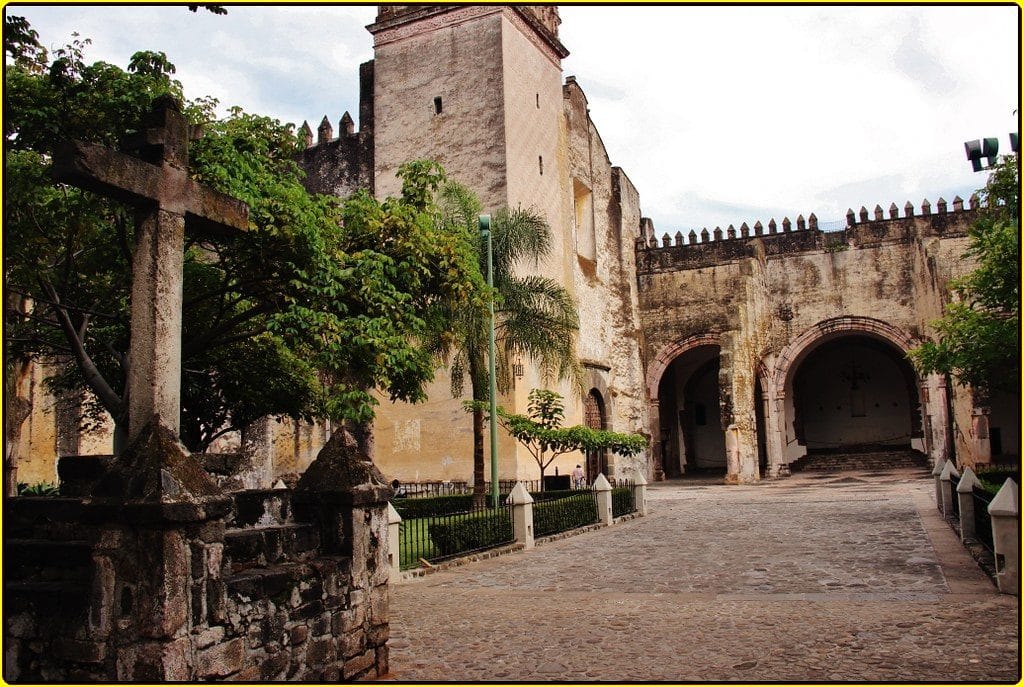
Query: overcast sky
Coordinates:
[719,115]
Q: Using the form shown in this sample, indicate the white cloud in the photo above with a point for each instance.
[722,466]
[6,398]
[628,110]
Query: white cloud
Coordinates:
[719,114]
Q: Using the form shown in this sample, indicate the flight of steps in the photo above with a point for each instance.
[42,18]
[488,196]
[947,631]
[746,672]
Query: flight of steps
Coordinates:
[862,460]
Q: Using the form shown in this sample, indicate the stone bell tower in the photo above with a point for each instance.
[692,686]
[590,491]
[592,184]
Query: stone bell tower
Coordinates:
[476,88]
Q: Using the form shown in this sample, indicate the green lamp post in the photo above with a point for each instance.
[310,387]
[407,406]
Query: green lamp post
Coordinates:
[485,232]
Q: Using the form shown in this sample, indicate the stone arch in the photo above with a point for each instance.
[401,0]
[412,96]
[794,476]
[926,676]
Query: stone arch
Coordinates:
[791,355]
[669,353]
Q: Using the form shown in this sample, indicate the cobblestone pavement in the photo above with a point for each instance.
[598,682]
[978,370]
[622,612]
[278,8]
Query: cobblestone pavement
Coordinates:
[815,578]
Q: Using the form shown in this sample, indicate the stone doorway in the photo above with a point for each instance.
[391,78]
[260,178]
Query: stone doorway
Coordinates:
[691,433]
[855,393]
[594,417]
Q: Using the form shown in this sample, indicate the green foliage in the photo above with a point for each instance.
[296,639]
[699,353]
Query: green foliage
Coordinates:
[38,489]
[541,431]
[433,505]
[978,338]
[994,477]
[318,303]
[564,514]
[471,533]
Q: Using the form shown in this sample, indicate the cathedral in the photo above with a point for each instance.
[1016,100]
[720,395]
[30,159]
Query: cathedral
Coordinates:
[747,351]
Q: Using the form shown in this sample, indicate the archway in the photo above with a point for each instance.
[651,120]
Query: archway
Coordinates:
[691,433]
[594,417]
[852,390]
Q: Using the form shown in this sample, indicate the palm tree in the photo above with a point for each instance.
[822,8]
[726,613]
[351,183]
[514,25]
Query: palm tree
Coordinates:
[535,316]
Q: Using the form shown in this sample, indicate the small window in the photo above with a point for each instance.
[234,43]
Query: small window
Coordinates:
[540,164]
[538,101]
[437,105]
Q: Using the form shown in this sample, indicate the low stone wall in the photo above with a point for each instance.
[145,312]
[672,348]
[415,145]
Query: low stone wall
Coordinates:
[254,585]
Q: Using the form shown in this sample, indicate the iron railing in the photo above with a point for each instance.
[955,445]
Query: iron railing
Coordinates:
[436,538]
[429,489]
[622,499]
[982,520]
[954,481]
[576,509]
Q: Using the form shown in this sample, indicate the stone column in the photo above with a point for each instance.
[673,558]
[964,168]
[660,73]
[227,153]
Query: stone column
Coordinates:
[979,434]
[522,515]
[949,471]
[604,499]
[657,449]
[157,562]
[936,472]
[394,544]
[640,493]
[347,496]
[965,497]
[1005,513]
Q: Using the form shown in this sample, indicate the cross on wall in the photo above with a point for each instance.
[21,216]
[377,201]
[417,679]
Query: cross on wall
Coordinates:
[168,203]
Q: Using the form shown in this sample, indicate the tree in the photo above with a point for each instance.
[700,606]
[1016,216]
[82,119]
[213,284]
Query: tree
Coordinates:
[541,431]
[535,317]
[977,340]
[303,315]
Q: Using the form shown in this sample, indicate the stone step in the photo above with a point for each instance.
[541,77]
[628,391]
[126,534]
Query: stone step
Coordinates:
[260,508]
[875,460]
[253,547]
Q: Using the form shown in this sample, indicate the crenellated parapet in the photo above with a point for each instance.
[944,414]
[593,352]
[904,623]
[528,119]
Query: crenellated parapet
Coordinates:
[337,165]
[859,230]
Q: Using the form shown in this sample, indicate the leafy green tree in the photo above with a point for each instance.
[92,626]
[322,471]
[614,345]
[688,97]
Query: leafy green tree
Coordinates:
[977,340]
[534,316]
[541,431]
[303,315]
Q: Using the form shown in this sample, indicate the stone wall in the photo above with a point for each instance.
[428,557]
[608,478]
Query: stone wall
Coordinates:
[195,584]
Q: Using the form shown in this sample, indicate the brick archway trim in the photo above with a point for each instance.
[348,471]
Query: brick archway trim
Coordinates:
[794,352]
[669,353]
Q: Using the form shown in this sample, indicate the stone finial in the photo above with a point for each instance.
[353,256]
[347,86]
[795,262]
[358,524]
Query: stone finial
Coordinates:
[678,238]
[967,482]
[949,471]
[939,465]
[744,230]
[812,221]
[926,207]
[346,124]
[801,224]
[863,214]
[1005,501]
[879,215]
[601,483]
[393,516]
[958,204]
[306,134]
[519,495]
[786,226]
[758,228]
[908,210]
[894,212]
[718,233]
[731,232]
[666,240]
[324,132]
[692,237]
[704,236]
[940,206]
[973,201]
[851,217]
[772,227]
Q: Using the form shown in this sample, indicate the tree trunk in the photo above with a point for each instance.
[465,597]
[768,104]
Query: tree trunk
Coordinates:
[479,492]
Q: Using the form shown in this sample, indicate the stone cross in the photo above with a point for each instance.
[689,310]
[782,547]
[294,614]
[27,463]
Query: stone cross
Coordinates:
[167,203]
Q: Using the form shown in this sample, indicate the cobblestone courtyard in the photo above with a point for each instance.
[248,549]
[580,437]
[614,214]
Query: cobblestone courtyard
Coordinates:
[814,578]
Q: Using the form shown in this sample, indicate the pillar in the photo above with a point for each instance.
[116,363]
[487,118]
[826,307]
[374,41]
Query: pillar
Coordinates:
[522,515]
[394,544]
[965,497]
[639,492]
[949,471]
[1005,513]
[936,472]
[604,499]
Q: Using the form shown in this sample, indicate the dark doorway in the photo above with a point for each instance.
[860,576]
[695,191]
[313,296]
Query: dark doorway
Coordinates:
[692,437]
[594,418]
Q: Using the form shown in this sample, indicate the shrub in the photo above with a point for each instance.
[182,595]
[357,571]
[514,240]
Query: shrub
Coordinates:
[432,506]
[539,496]
[993,478]
[472,533]
[622,501]
[38,489]
[564,514]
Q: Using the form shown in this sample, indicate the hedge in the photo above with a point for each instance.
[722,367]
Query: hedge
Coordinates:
[565,514]
[622,501]
[433,505]
[471,534]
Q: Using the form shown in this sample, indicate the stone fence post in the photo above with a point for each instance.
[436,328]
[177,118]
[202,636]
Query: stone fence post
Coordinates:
[394,543]
[1005,513]
[604,499]
[522,515]
[639,493]
[965,496]
[949,471]
[936,472]
[347,496]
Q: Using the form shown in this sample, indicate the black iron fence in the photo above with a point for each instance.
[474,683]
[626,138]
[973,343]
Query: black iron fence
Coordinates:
[982,520]
[431,489]
[622,499]
[954,482]
[437,537]
[577,508]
